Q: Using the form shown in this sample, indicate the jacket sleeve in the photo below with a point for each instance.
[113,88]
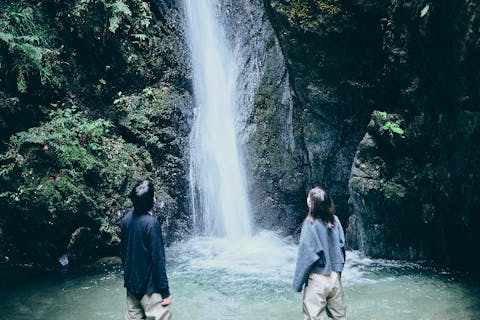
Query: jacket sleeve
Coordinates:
[158,259]
[123,241]
[309,251]
[341,236]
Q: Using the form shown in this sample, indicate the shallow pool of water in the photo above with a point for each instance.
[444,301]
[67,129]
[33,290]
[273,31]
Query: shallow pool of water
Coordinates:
[247,279]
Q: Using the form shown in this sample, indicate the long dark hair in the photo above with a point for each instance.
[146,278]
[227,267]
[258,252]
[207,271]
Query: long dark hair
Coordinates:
[321,205]
[142,196]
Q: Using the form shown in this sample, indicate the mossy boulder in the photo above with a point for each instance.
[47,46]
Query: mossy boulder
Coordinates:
[64,174]
[68,173]
[81,246]
[159,118]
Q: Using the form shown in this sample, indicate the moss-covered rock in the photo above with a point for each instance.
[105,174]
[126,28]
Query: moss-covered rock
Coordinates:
[316,16]
[278,181]
[60,174]
[81,246]
[160,119]
[68,173]
[380,193]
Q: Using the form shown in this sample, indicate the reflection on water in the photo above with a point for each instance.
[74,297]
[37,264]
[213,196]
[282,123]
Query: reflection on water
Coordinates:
[247,279]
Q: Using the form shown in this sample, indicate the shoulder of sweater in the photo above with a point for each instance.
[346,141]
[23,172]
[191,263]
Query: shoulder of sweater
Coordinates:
[317,223]
[309,219]
[314,228]
[309,224]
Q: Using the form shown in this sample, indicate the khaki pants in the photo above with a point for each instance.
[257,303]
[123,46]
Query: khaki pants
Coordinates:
[322,295]
[147,308]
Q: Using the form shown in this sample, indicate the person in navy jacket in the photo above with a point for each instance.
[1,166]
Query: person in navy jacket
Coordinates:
[143,259]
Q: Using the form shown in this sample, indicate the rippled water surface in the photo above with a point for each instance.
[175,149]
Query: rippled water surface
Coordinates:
[247,279]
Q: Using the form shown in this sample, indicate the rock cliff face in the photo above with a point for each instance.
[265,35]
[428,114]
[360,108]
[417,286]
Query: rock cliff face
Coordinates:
[413,186]
[332,62]
[417,197]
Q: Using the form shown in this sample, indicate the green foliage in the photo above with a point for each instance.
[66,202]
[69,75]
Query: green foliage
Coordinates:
[382,114]
[65,173]
[391,124]
[394,127]
[110,229]
[424,10]
[115,12]
[142,114]
[70,170]
[30,45]
[119,33]
[94,16]
[119,10]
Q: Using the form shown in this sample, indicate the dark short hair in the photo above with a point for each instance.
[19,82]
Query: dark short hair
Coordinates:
[142,196]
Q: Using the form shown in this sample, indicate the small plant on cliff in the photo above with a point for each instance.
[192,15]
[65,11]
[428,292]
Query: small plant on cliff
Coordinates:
[394,128]
[391,126]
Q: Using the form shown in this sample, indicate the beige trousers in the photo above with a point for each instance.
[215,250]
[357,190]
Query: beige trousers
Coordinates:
[322,295]
[147,308]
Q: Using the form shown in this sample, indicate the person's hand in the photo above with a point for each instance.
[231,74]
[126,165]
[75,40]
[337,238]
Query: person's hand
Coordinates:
[165,302]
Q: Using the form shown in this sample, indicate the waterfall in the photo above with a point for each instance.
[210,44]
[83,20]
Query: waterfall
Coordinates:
[217,177]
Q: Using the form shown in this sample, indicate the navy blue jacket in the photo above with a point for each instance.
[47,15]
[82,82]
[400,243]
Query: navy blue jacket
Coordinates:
[143,255]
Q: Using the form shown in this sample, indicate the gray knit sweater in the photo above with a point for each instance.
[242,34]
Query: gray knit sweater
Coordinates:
[320,247]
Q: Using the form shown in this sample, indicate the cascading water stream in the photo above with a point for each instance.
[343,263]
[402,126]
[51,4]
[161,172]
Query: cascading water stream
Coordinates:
[219,196]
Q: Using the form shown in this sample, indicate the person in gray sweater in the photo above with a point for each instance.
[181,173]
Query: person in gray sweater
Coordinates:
[320,260]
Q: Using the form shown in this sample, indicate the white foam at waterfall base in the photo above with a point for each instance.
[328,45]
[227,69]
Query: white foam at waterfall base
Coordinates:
[263,257]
